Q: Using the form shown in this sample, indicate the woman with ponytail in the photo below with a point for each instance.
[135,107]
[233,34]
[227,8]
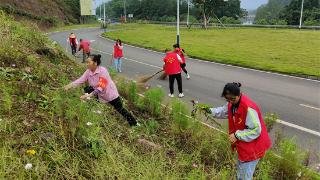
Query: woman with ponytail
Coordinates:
[247,130]
[101,86]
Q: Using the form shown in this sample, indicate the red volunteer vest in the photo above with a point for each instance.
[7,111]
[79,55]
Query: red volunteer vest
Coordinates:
[117,52]
[172,64]
[248,151]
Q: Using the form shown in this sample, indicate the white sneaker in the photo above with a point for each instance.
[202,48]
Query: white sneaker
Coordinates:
[171,95]
[181,95]
[188,76]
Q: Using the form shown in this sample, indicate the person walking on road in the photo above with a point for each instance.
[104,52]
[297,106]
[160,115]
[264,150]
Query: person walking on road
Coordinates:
[117,55]
[101,86]
[85,47]
[72,40]
[247,130]
[181,52]
[172,68]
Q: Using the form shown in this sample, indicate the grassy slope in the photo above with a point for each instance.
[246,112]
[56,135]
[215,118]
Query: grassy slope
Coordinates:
[280,50]
[46,13]
[36,115]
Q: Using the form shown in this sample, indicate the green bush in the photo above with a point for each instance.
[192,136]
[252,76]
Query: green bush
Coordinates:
[270,119]
[180,121]
[132,93]
[151,102]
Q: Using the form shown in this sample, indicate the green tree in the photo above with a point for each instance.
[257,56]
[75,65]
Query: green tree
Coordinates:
[218,8]
[311,12]
[270,12]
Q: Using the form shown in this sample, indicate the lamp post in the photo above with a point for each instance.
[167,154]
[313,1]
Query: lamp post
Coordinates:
[178,22]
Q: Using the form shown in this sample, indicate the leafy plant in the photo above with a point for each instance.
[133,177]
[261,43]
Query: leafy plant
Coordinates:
[152,101]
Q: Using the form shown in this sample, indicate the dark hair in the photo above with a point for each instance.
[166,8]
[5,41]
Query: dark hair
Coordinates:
[96,58]
[80,40]
[232,89]
[176,46]
[120,42]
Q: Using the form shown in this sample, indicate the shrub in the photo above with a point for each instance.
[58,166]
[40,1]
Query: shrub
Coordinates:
[270,119]
[180,121]
[151,102]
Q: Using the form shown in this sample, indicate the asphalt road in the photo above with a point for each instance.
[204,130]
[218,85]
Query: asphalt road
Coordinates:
[295,100]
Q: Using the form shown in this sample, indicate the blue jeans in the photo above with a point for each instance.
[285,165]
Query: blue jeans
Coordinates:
[117,64]
[245,170]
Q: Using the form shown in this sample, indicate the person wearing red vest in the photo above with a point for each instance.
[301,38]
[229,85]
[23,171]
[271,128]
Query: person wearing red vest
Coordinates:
[247,130]
[73,43]
[117,55]
[181,52]
[85,47]
[172,68]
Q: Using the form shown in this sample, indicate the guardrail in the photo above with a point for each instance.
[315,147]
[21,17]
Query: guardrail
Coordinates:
[218,25]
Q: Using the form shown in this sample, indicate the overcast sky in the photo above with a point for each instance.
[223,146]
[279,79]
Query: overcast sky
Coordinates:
[246,4]
[252,4]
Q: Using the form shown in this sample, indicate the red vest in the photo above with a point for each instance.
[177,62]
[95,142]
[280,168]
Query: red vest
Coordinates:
[117,52]
[171,64]
[180,53]
[73,40]
[85,45]
[248,151]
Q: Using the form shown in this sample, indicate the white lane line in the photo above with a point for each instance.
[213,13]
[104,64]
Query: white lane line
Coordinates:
[308,106]
[298,127]
[221,64]
[278,121]
[158,67]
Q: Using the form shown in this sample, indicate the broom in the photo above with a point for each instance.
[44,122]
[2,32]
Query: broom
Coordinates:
[145,79]
[163,76]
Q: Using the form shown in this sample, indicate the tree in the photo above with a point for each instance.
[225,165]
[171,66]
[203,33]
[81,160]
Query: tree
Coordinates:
[311,12]
[270,12]
[218,9]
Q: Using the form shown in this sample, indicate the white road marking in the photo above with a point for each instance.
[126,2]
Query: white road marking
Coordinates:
[158,67]
[221,64]
[308,106]
[298,127]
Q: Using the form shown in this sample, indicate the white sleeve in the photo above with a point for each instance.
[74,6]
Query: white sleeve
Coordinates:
[220,112]
[179,58]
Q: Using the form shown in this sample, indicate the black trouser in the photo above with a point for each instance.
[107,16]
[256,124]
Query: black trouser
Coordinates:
[85,56]
[117,104]
[171,82]
[183,67]
[73,49]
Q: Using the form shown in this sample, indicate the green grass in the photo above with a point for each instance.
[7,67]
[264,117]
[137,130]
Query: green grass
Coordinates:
[287,51]
[37,114]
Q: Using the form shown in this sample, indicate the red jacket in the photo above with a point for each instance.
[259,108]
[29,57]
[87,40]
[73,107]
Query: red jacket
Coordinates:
[171,64]
[85,45]
[180,53]
[117,51]
[248,151]
[73,40]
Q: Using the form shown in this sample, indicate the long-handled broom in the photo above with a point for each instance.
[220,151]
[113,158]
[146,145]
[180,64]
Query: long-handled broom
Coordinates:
[145,79]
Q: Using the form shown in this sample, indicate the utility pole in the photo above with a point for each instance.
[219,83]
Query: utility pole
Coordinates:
[188,13]
[104,15]
[178,22]
[125,11]
[301,14]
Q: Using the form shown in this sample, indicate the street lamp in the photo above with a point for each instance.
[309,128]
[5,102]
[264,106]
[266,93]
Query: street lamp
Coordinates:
[188,13]
[301,13]
[178,22]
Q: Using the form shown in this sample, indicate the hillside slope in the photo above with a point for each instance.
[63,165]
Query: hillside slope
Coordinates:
[44,12]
